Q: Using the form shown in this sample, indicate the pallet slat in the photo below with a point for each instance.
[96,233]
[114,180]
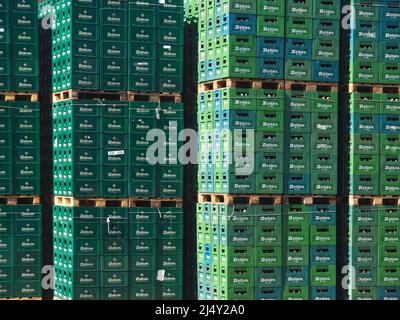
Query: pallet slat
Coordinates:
[90,202]
[373,88]
[156,202]
[241,83]
[19,96]
[118,202]
[355,200]
[230,199]
[154,97]
[19,200]
[72,94]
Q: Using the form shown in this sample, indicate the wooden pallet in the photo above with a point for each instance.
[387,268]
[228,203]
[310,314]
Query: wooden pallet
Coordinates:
[231,199]
[155,202]
[309,199]
[21,299]
[19,96]
[154,97]
[373,88]
[19,200]
[312,86]
[241,83]
[355,200]
[72,94]
[91,202]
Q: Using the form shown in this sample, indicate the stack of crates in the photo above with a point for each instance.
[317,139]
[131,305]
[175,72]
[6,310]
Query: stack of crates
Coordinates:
[96,44]
[19,148]
[374,252]
[113,237]
[374,42]
[100,149]
[311,139]
[19,53]
[256,111]
[375,123]
[20,251]
[312,40]
[374,143]
[115,253]
[293,40]
[274,139]
[309,252]
[239,252]
[90,249]
[20,169]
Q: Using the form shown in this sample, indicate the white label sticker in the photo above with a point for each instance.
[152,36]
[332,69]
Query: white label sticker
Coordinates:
[160,275]
[167,47]
[116,153]
[162,1]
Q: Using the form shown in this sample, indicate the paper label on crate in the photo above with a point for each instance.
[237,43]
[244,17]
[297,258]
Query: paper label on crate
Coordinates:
[161,1]
[2,29]
[167,47]
[160,275]
[116,153]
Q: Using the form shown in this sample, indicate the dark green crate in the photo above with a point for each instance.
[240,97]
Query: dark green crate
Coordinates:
[28,289]
[114,278]
[115,293]
[143,292]
[141,262]
[142,277]
[111,247]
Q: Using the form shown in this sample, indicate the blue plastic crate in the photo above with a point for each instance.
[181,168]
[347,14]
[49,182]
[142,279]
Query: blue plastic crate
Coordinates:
[238,119]
[325,71]
[270,68]
[323,255]
[298,49]
[238,24]
[390,30]
[267,293]
[389,51]
[388,293]
[270,47]
[323,293]
[389,10]
[364,123]
[210,70]
[297,183]
[202,71]
[209,183]
[296,276]
[217,99]
[270,277]
[323,214]
[390,123]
